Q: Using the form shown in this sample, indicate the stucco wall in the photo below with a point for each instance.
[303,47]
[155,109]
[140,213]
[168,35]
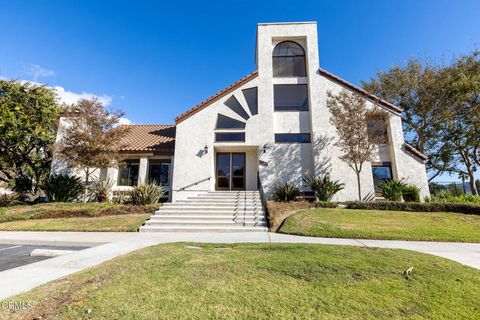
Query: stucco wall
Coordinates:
[287,162]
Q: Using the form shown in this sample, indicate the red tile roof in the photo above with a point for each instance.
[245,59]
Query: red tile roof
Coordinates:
[156,138]
[361,91]
[216,96]
[411,149]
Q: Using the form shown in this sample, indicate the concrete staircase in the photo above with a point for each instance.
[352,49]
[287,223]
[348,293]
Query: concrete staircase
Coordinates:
[219,211]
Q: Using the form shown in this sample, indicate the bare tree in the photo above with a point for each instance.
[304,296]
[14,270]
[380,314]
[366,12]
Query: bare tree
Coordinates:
[92,139]
[359,129]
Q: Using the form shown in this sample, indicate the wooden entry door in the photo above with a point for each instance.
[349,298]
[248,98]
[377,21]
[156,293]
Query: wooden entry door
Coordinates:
[230,171]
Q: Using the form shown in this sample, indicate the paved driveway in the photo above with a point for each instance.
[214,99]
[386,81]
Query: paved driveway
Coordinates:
[12,256]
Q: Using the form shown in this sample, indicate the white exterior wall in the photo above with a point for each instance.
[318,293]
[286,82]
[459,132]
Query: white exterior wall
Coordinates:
[285,162]
[193,169]
[104,174]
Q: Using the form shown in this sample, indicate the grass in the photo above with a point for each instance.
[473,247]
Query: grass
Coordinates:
[119,223]
[246,281]
[91,216]
[380,224]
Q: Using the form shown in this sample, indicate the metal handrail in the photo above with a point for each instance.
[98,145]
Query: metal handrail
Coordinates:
[262,198]
[193,184]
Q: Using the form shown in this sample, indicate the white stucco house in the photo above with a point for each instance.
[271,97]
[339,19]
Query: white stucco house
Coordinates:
[271,125]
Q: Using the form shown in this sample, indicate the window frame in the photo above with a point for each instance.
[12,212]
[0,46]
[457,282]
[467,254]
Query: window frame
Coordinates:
[371,130]
[305,108]
[129,164]
[375,165]
[276,56]
[230,133]
[243,124]
[160,162]
[305,134]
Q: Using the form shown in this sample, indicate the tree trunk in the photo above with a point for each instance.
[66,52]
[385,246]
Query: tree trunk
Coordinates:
[473,187]
[463,185]
[87,177]
[359,187]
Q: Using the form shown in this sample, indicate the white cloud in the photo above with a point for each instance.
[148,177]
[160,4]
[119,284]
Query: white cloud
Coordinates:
[125,121]
[37,72]
[70,97]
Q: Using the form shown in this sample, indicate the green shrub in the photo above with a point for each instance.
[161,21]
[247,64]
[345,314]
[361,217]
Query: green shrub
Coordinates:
[144,194]
[8,199]
[101,190]
[411,193]
[447,197]
[285,192]
[63,188]
[323,188]
[416,207]
[325,204]
[392,189]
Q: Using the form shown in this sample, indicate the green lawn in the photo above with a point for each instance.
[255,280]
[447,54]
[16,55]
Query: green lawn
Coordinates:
[92,216]
[246,281]
[124,222]
[378,224]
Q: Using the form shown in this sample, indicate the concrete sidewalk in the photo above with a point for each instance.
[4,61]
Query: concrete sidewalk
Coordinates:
[108,245]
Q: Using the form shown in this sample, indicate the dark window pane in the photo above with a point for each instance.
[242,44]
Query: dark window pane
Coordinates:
[237,183]
[230,137]
[223,183]
[233,104]
[224,122]
[290,97]
[128,175]
[238,164]
[377,129]
[292,137]
[381,173]
[288,48]
[289,60]
[159,172]
[251,96]
[223,165]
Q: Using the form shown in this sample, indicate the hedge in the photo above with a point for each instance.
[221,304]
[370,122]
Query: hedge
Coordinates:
[325,204]
[416,207]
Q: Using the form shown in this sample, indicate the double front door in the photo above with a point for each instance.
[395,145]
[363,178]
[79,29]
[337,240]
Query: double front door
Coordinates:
[230,171]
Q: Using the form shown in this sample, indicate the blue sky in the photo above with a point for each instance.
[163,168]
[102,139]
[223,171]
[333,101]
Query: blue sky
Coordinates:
[153,60]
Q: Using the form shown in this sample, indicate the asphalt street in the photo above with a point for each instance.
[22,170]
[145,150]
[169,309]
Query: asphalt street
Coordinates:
[12,256]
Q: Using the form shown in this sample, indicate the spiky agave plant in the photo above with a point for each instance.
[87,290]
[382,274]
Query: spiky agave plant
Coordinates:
[323,187]
[144,194]
[392,190]
[63,188]
[285,192]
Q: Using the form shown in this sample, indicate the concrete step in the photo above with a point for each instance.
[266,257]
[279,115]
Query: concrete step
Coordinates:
[194,223]
[229,194]
[219,200]
[206,216]
[201,220]
[213,208]
[207,212]
[226,211]
[202,229]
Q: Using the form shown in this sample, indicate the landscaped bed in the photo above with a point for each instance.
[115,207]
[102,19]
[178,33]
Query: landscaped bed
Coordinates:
[246,281]
[93,216]
[384,224]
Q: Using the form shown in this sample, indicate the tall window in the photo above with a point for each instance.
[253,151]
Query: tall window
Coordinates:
[128,175]
[158,172]
[377,129]
[381,172]
[289,60]
[290,97]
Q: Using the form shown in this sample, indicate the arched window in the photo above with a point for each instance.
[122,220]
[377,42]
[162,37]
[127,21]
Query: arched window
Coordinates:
[289,60]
